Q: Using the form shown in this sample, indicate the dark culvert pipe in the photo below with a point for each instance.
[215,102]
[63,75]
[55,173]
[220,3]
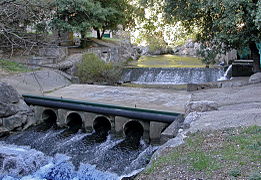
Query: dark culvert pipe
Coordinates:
[49,119]
[102,126]
[134,113]
[133,128]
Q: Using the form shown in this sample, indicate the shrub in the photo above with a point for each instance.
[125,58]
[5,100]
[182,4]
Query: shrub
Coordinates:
[93,69]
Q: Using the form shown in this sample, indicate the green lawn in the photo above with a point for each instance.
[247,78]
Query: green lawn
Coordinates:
[10,66]
[229,154]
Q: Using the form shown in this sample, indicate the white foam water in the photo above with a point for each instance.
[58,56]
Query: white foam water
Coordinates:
[74,157]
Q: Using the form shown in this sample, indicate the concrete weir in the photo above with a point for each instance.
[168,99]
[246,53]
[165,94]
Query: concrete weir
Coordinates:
[148,124]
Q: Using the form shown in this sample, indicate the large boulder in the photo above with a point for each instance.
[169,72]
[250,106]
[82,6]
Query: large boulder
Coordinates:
[14,113]
[200,106]
[255,78]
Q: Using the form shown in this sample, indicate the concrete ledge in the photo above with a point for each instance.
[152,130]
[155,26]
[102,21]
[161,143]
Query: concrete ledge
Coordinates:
[172,130]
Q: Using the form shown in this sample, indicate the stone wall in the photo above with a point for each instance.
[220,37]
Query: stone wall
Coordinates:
[14,113]
[49,55]
[116,53]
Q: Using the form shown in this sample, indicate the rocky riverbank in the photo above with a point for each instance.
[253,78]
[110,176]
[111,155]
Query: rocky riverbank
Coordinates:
[213,117]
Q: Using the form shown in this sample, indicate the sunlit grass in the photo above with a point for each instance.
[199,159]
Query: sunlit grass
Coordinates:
[11,66]
[168,61]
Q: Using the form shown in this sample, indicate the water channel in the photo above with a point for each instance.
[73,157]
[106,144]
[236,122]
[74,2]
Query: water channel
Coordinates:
[44,152]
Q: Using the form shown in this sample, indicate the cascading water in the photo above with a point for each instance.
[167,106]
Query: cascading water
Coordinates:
[54,154]
[227,75]
[171,75]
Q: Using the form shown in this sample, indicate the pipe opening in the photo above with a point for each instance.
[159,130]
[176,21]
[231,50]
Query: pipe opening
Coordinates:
[49,119]
[102,124]
[133,129]
[74,122]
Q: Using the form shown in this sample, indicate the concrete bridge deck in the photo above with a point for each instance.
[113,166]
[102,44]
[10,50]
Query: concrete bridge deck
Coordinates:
[156,99]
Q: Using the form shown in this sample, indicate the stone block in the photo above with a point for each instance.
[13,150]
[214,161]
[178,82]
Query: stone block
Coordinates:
[119,124]
[172,130]
[155,131]
[41,60]
[58,53]
[242,69]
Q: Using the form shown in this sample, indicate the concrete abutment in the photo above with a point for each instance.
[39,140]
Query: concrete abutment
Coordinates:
[150,131]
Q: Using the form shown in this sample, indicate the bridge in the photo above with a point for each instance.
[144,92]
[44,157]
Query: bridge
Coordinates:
[154,126]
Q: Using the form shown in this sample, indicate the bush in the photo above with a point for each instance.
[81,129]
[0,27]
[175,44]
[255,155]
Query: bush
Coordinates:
[93,69]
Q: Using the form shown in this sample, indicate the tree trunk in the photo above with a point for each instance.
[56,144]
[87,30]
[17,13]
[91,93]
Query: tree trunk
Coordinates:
[83,42]
[103,31]
[99,34]
[255,56]
[82,34]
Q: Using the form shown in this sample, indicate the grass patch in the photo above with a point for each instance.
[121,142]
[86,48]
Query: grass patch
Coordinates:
[11,66]
[232,153]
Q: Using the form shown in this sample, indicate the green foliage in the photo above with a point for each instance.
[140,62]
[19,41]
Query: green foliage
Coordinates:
[208,52]
[76,15]
[12,66]
[255,176]
[155,42]
[234,172]
[83,15]
[234,24]
[93,69]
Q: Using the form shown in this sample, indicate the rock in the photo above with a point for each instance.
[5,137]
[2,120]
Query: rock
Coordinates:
[172,130]
[14,112]
[200,106]
[19,121]
[3,131]
[174,142]
[255,78]
[191,117]
[58,53]
[8,94]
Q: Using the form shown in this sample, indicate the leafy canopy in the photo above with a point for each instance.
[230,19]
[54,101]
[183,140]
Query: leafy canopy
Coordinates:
[82,15]
[232,23]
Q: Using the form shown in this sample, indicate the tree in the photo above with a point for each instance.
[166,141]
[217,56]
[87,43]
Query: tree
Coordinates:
[15,17]
[224,23]
[116,12]
[83,15]
[76,15]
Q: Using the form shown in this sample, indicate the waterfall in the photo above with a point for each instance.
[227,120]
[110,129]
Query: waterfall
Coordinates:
[227,75]
[171,75]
